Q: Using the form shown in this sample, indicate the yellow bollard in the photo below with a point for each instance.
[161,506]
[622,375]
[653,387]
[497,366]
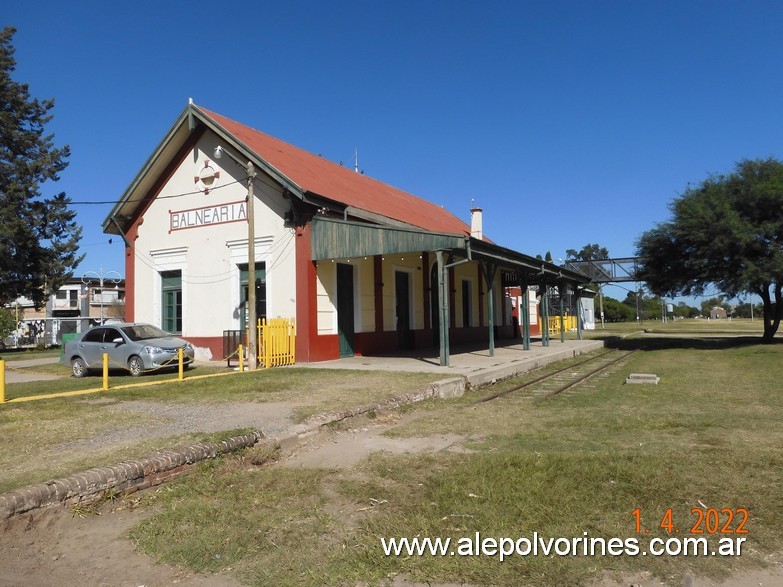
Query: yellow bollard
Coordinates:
[105,371]
[241,353]
[2,381]
[181,369]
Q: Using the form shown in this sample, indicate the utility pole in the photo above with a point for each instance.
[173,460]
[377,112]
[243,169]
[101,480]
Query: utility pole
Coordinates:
[252,335]
[252,315]
[601,302]
[638,295]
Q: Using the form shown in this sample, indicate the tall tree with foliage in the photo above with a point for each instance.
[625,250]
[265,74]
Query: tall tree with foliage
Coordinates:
[589,252]
[38,235]
[7,323]
[726,233]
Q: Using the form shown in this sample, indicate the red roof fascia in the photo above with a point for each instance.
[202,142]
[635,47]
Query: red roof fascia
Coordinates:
[335,182]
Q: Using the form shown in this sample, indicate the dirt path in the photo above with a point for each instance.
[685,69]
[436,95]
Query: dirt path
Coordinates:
[57,547]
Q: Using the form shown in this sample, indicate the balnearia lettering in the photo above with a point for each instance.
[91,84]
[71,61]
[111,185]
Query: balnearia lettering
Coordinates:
[223,214]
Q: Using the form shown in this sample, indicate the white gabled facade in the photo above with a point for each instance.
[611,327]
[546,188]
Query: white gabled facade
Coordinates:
[203,237]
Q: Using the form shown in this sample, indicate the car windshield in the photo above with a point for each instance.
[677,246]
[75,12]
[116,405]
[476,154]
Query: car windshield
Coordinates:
[143,332]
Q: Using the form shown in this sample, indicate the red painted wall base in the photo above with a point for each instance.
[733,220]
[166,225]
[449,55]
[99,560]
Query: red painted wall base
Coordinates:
[326,347]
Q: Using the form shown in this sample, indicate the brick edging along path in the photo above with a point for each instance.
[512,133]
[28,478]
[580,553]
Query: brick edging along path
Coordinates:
[126,477]
[131,476]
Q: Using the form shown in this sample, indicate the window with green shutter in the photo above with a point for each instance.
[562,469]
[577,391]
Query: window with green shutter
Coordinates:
[172,301]
[260,292]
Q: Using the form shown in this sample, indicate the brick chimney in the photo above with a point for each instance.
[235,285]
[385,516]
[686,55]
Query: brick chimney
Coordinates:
[476,221]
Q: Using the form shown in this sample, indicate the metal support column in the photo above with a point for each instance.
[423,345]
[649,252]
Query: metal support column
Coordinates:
[545,315]
[579,314]
[525,315]
[490,270]
[443,308]
[562,288]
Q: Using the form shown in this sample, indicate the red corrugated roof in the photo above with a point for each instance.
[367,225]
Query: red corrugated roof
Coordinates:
[335,182]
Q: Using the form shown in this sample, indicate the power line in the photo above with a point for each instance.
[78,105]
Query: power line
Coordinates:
[170,196]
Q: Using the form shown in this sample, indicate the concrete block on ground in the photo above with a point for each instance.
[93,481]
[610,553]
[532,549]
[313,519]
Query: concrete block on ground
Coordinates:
[643,378]
[452,387]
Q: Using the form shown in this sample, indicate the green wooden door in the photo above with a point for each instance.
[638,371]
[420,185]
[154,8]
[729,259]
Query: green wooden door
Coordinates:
[402,288]
[345,323]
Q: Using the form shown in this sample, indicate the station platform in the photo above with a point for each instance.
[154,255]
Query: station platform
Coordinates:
[471,362]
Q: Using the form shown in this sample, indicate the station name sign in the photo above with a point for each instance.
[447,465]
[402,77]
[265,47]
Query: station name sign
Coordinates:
[208,216]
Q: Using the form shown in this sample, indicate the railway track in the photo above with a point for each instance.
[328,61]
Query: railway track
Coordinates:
[556,382]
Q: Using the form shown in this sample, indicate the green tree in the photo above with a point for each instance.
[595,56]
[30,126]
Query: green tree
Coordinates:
[38,235]
[589,252]
[649,307]
[616,311]
[726,232]
[7,323]
[683,310]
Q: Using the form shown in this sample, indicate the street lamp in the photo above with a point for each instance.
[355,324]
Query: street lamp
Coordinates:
[252,318]
[101,277]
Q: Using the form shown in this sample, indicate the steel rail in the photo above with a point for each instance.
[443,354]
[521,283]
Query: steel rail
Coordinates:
[584,377]
[557,372]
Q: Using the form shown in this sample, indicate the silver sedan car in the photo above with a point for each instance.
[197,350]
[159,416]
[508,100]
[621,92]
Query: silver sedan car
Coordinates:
[137,347]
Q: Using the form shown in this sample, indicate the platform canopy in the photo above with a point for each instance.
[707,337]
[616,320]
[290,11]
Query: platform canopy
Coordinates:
[340,239]
[334,239]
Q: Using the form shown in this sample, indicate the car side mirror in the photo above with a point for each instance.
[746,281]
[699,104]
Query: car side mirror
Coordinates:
[118,340]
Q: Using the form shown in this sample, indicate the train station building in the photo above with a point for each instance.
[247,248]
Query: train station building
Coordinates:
[361,267]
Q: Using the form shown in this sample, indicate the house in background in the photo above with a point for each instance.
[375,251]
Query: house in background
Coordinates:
[73,308]
[718,313]
[362,267]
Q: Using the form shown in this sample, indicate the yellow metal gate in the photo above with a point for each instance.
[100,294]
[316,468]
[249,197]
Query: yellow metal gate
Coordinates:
[569,323]
[277,342]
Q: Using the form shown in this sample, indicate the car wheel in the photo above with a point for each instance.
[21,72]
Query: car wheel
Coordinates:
[78,367]
[135,366]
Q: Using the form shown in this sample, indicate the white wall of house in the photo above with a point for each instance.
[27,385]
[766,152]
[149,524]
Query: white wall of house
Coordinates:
[208,253]
[326,297]
[410,263]
[363,294]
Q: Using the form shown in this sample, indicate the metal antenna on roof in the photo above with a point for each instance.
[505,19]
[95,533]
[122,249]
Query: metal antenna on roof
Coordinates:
[356,161]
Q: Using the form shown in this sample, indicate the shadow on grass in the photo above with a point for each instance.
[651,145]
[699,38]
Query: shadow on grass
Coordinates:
[653,343]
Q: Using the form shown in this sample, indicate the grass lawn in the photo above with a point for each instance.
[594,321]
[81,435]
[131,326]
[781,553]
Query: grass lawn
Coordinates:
[24,354]
[691,327]
[708,436]
[37,435]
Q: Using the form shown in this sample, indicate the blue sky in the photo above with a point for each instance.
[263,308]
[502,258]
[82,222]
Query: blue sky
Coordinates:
[568,122]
